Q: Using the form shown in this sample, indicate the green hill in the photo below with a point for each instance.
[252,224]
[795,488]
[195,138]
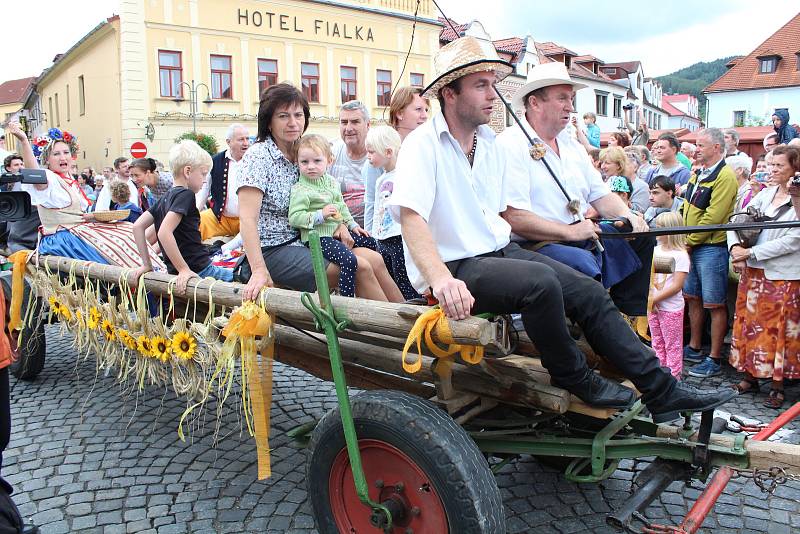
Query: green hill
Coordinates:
[694,78]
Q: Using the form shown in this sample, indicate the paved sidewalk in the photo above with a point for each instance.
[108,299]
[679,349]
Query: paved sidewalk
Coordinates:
[89,456]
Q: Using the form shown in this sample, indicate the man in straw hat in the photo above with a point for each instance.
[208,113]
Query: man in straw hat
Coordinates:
[538,210]
[448,197]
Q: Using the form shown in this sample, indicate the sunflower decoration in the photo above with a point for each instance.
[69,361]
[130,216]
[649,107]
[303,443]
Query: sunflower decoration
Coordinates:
[93,319]
[184,345]
[79,319]
[55,305]
[108,330]
[144,346]
[126,339]
[161,348]
[65,313]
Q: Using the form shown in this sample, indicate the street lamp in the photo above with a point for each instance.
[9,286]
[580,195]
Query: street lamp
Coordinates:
[193,105]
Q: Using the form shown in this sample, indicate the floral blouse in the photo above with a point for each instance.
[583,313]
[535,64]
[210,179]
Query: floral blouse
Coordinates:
[266,168]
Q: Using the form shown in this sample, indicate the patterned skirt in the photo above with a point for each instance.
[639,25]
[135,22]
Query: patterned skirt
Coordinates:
[766,328]
[110,243]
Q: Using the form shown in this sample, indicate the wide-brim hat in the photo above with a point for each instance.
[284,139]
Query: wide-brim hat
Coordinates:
[544,75]
[463,56]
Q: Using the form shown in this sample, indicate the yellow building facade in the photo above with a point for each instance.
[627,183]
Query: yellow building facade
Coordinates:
[131,78]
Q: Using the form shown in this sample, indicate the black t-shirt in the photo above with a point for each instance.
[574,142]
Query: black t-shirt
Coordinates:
[187,234]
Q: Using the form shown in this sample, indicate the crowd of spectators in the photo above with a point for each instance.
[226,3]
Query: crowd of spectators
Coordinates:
[703,183]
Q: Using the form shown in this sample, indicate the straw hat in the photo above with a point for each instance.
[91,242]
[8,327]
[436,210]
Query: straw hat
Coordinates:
[464,56]
[544,75]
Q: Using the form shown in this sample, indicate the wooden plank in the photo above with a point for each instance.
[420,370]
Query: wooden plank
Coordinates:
[366,315]
[526,368]
[761,454]
[466,378]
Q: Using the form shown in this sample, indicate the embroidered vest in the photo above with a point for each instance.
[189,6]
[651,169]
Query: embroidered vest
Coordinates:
[218,189]
[54,219]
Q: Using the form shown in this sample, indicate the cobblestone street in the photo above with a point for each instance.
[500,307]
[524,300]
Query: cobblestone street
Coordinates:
[88,456]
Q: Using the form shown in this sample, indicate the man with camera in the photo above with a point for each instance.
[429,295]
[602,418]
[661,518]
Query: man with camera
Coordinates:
[639,135]
[710,198]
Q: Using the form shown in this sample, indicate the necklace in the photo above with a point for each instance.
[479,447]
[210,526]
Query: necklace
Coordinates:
[471,155]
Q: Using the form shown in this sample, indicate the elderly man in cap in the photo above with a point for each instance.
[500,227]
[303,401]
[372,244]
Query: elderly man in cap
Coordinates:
[448,196]
[539,184]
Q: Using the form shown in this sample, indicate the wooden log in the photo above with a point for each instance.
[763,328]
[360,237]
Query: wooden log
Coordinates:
[761,454]
[357,376]
[367,315]
[526,347]
[475,379]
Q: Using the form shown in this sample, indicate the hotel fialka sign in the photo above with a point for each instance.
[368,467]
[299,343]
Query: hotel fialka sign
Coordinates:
[317,27]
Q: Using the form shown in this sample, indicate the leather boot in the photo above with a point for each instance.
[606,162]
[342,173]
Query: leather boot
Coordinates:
[595,390]
[686,398]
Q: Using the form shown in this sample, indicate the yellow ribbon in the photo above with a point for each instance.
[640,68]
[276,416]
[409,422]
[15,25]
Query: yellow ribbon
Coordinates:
[245,324]
[19,259]
[435,321]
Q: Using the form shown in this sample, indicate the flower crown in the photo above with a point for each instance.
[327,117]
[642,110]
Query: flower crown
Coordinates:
[42,144]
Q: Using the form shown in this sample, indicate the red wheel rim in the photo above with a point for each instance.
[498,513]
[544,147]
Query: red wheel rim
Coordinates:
[390,474]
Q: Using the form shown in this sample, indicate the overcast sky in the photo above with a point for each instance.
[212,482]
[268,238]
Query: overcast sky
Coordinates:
[664,35]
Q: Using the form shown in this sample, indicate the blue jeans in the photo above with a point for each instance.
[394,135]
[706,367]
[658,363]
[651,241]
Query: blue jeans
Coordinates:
[708,275]
[219,273]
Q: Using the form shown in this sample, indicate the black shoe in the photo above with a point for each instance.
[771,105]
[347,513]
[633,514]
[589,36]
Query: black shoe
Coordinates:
[595,390]
[686,398]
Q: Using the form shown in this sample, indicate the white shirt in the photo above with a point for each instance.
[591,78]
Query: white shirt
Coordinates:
[103,202]
[529,185]
[461,204]
[231,208]
[55,196]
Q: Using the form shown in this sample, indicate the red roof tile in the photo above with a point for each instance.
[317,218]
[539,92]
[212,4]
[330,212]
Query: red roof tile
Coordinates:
[587,58]
[745,72]
[13,91]
[627,66]
[447,34]
[549,48]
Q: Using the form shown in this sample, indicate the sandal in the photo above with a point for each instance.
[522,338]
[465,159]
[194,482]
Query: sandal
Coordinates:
[747,385]
[775,399]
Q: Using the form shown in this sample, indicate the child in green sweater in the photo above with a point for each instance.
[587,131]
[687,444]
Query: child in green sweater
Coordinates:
[316,203]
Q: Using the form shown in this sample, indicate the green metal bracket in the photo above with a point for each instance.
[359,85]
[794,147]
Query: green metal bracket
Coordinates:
[599,444]
[325,321]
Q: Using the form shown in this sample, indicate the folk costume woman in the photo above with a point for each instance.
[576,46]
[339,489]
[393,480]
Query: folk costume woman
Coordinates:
[67,230]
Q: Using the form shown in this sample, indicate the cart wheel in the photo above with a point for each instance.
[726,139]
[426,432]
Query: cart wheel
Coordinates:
[32,350]
[418,462]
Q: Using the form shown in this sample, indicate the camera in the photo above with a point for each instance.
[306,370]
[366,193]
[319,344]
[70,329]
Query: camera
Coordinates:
[795,180]
[16,205]
[627,107]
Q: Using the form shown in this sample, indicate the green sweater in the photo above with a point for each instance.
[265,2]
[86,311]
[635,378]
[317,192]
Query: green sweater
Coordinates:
[720,209]
[309,196]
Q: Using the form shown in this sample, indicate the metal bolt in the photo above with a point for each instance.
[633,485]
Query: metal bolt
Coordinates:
[399,487]
[415,510]
[379,483]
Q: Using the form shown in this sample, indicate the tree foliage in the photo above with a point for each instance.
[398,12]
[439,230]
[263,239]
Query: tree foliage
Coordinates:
[207,142]
[694,78]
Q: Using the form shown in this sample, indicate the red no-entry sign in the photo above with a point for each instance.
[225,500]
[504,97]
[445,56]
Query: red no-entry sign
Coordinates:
[138,149]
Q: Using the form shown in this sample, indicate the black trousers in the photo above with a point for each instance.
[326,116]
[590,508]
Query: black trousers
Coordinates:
[545,292]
